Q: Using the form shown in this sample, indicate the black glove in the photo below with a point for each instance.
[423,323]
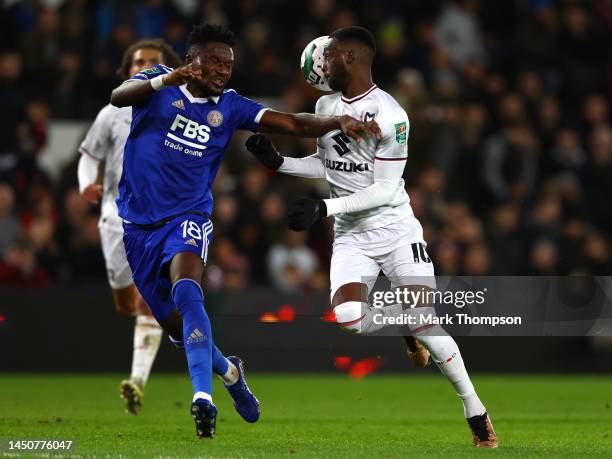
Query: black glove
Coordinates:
[304,212]
[264,151]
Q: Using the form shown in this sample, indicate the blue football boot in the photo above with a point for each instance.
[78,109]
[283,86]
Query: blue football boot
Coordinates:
[245,402]
[205,415]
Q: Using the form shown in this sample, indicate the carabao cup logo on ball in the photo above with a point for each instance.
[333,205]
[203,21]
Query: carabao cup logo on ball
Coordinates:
[311,63]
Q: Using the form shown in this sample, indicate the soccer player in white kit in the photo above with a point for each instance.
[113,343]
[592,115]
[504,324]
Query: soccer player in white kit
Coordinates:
[99,172]
[375,228]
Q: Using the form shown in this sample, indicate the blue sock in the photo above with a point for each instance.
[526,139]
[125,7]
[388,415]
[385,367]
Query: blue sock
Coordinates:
[219,363]
[197,335]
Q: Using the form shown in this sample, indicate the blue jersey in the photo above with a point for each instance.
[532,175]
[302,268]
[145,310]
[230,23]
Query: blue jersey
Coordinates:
[175,147]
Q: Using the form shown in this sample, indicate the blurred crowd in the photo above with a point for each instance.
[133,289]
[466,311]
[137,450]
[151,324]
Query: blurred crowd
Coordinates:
[510,146]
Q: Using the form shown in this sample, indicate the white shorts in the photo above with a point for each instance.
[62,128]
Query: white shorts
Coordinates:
[398,250]
[117,266]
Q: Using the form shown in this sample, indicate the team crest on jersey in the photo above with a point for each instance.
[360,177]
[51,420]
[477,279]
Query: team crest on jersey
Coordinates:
[400,132]
[215,118]
[179,104]
[368,117]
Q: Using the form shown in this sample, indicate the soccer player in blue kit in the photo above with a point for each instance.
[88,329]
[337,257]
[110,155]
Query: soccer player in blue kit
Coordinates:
[182,121]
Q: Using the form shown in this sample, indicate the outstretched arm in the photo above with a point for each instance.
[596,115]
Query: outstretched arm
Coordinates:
[387,174]
[309,125]
[263,149]
[308,167]
[138,92]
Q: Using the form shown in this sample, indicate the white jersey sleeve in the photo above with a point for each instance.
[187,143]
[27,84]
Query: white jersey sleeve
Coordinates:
[98,140]
[308,167]
[394,143]
[87,171]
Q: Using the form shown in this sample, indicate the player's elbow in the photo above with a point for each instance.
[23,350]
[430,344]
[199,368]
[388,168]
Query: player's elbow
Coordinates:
[117,98]
[294,127]
[123,96]
[377,195]
[385,191]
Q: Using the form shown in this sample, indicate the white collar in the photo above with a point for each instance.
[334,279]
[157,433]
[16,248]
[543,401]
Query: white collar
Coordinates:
[360,96]
[198,100]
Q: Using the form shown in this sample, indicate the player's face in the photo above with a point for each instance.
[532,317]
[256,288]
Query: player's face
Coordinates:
[145,58]
[334,65]
[216,61]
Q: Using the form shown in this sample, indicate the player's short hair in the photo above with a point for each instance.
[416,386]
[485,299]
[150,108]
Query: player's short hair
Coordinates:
[356,33]
[171,59]
[207,33]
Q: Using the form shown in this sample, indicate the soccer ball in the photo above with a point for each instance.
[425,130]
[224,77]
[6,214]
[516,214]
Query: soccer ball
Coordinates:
[311,63]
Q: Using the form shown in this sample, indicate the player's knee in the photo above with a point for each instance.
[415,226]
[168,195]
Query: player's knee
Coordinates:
[349,316]
[422,312]
[125,301]
[186,265]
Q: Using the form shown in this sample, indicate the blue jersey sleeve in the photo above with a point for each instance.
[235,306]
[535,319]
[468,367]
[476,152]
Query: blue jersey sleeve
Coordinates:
[247,113]
[139,111]
[155,71]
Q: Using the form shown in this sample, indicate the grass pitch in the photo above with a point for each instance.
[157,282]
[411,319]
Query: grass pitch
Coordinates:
[314,415]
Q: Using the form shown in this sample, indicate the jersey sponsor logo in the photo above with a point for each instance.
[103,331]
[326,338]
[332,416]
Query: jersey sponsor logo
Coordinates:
[215,118]
[182,148]
[179,104]
[189,131]
[401,132]
[341,143]
[346,167]
[151,71]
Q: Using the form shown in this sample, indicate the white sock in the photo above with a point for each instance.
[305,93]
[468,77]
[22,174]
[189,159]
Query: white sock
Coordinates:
[232,375]
[203,395]
[472,406]
[147,336]
[445,353]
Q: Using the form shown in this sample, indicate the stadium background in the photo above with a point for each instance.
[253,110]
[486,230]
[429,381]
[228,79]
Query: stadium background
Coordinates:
[510,167]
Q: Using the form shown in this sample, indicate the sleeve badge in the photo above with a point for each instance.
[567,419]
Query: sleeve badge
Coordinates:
[401,132]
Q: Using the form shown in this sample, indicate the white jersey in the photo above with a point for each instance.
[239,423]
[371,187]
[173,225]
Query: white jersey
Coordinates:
[349,166]
[105,141]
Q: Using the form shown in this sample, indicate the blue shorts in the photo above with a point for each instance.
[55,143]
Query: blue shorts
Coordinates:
[150,251]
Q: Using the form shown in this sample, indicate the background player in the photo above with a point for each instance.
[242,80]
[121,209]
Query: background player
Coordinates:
[375,228]
[182,121]
[99,171]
